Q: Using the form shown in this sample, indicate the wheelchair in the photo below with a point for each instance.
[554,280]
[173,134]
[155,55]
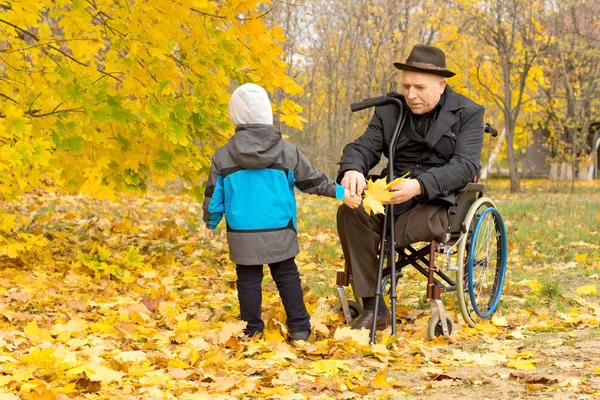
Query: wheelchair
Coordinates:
[474,249]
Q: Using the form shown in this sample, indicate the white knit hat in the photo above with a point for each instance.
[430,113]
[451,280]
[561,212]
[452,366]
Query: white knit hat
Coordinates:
[250,104]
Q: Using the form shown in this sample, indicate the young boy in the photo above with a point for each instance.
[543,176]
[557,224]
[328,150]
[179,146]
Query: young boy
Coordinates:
[252,181]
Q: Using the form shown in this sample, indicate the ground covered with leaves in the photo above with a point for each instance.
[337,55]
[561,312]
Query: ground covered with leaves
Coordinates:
[127,300]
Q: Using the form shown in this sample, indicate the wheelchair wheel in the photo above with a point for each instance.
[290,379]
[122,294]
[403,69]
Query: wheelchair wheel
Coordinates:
[481,262]
[435,329]
[355,308]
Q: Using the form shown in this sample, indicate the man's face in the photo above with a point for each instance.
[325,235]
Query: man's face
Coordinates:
[422,91]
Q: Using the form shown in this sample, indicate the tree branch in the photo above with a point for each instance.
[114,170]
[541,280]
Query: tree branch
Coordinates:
[8,98]
[55,111]
[223,17]
[497,98]
[290,4]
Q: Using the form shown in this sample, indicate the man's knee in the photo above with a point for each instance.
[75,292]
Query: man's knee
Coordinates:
[344,212]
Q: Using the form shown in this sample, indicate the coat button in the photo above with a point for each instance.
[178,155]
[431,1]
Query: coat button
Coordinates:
[418,165]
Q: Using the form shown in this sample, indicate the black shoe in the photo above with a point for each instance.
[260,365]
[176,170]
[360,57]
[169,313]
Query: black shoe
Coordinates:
[302,335]
[365,320]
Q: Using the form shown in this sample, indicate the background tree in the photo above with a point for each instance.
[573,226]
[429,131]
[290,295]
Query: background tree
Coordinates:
[512,38]
[574,65]
[101,97]
[344,54]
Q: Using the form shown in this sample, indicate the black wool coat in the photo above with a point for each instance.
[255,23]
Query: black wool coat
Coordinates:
[449,155]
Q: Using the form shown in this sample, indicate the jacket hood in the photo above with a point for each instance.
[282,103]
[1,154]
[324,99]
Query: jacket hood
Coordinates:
[255,145]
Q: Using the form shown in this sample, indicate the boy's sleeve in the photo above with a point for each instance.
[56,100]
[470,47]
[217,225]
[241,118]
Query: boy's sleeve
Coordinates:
[313,181]
[214,199]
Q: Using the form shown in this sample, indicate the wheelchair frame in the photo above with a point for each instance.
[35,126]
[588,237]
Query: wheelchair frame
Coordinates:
[464,223]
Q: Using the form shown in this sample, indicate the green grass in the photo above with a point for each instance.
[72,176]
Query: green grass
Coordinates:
[549,229]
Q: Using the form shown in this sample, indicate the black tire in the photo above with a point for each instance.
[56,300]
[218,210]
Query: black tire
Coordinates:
[435,329]
[355,308]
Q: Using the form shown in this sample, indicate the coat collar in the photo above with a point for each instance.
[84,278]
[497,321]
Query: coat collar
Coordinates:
[446,118]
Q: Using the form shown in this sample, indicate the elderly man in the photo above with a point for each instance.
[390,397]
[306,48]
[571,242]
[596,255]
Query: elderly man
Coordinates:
[439,146]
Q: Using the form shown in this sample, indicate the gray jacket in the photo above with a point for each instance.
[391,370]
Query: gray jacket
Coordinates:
[251,182]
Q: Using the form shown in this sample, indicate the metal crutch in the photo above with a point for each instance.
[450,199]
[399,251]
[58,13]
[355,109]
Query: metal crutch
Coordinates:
[367,103]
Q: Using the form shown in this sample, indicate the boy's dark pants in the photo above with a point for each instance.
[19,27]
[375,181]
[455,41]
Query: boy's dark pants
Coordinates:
[287,278]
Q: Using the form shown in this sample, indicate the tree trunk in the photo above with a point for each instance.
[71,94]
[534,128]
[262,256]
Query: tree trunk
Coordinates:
[509,126]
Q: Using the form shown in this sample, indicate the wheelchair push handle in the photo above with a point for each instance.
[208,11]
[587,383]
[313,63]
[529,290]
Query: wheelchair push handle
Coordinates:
[368,103]
[391,97]
[490,129]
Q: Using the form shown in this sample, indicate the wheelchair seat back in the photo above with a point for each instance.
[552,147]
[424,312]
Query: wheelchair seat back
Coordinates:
[467,197]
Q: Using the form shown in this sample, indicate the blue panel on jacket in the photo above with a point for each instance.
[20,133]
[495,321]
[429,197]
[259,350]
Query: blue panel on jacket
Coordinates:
[259,199]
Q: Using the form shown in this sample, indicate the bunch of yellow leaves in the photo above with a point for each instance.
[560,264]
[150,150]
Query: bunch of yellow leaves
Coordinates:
[377,193]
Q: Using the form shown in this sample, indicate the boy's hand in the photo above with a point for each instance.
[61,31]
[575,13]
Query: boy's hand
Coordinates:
[209,234]
[352,201]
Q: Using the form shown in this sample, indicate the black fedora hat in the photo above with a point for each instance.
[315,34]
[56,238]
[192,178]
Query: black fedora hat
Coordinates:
[427,59]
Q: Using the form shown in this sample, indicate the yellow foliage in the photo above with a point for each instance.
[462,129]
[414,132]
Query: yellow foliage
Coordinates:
[587,290]
[376,194]
[106,97]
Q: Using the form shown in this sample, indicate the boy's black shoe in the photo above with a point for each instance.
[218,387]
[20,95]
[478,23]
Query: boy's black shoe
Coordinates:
[303,335]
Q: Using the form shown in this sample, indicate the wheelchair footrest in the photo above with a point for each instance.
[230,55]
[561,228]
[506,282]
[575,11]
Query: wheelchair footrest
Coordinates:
[342,278]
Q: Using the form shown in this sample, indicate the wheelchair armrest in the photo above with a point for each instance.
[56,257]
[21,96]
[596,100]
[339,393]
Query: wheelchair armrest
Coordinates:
[467,196]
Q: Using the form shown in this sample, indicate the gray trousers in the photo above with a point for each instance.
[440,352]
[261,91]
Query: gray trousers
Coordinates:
[360,235]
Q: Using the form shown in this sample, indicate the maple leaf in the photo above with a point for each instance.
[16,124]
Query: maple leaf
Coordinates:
[521,364]
[376,194]
[330,367]
[130,356]
[359,336]
[231,329]
[380,380]
[587,290]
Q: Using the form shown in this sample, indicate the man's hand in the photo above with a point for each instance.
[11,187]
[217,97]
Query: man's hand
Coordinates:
[355,182]
[404,191]
[209,234]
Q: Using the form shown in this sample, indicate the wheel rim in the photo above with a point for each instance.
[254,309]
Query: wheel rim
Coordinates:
[435,329]
[462,282]
[487,262]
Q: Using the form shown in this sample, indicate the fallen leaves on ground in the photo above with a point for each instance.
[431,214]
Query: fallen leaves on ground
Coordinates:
[127,301]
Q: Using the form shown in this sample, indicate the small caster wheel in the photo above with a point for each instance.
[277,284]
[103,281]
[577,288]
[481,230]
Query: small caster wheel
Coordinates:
[355,308]
[434,328]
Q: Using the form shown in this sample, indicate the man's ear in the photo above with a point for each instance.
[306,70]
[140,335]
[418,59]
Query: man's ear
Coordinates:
[442,85]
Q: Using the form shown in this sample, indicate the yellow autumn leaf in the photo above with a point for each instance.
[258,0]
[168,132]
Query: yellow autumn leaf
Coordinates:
[380,380]
[532,284]
[34,333]
[104,374]
[397,180]
[178,364]
[231,329]
[376,194]
[581,257]
[130,356]
[521,364]
[330,367]
[499,320]
[273,335]
[587,290]
[345,332]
